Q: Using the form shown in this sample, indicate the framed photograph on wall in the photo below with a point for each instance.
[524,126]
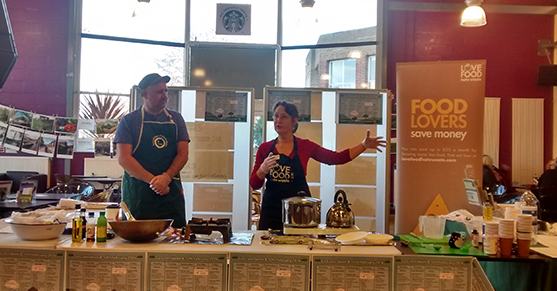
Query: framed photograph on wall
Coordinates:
[43,123]
[360,108]
[65,146]
[302,100]
[47,145]
[21,118]
[226,106]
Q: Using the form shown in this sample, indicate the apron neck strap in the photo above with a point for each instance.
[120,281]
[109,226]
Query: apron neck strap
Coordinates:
[295,146]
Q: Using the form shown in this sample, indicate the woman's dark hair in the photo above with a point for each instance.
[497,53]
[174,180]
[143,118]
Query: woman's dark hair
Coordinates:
[290,109]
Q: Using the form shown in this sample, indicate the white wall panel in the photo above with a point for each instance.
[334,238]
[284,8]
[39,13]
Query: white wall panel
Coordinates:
[527,139]
[492,120]
[103,167]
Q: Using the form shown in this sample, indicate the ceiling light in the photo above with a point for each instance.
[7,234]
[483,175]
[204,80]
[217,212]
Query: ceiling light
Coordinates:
[307,3]
[473,15]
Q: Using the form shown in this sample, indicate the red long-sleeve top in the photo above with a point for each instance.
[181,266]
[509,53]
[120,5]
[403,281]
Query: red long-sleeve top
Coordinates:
[306,150]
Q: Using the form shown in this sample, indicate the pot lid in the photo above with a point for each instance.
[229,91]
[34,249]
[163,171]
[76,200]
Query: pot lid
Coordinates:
[302,200]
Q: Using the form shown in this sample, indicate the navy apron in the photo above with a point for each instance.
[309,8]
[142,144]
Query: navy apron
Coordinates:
[155,151]
[283,181]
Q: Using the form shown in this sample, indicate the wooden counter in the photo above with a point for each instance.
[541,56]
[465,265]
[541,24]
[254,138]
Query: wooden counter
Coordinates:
[119,245]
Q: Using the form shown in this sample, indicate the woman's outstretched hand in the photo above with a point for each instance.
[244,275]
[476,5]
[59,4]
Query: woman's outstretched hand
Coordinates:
[373,142]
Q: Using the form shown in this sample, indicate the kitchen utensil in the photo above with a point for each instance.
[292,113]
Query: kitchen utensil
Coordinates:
[301,211]
[378,239]
[416,236]
[140,230]
[423,239]
[126,210]
[433,226]
[37,231]
[340,214]
[352,237]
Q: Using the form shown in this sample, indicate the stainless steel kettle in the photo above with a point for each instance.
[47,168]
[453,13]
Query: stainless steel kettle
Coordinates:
[340,214]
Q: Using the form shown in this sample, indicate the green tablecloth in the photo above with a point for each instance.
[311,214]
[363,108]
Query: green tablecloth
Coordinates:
[521,275]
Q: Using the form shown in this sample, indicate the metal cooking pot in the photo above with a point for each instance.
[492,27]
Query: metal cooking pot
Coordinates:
[340,214]
[301,211]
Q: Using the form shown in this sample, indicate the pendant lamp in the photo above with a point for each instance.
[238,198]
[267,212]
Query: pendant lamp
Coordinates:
[473,15]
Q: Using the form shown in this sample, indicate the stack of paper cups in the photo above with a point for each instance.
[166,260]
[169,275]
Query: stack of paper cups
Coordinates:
[532,210]
[511,213]
[523,234]
[491,238]
[506,236]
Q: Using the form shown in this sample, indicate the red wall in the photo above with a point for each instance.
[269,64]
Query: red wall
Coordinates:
[38,80]
[508,42]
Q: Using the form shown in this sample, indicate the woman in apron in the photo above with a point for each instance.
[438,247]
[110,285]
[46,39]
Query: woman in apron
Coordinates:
[283,163]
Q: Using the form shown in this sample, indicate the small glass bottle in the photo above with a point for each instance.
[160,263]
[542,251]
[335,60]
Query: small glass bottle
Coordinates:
[83,223]
[101,227]
[91,224]
[475,238]
[76,225]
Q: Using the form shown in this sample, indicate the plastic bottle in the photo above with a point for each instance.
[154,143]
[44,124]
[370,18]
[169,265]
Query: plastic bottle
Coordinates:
[91,224]
[76,225]
[487,211]
[83,223]
[101,228]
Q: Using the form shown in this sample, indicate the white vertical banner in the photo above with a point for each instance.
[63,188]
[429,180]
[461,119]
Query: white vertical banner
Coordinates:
[233,19]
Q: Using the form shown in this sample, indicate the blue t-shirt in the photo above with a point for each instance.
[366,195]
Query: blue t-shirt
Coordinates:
[129,126]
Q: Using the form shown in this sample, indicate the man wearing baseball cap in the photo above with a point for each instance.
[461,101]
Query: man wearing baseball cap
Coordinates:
[152,147]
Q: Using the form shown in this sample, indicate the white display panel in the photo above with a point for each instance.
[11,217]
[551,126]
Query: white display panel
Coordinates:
[325,114]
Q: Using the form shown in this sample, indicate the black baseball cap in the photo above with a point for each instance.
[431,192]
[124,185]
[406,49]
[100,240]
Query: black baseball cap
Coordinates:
[152,79]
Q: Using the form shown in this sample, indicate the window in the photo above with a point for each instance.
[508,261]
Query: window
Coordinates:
[342,74]
[371,72]
[157,20]
[321,23]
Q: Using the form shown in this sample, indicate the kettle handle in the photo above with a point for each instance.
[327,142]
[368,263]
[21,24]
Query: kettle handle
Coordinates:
[343,199]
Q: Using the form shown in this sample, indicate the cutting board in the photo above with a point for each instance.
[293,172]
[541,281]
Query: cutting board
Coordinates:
[424,239]
[446,250]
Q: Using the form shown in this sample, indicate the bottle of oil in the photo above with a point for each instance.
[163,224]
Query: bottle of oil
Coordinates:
[487,211]
[91,225]
[83,223]
[77,224]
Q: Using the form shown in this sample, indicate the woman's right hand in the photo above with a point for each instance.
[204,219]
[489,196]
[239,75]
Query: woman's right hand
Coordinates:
[269,163]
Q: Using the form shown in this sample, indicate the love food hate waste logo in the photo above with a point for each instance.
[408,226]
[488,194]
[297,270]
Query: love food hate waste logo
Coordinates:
[471,72]
[445,114]
[160,141]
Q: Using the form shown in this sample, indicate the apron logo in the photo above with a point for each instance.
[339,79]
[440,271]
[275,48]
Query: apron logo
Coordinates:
[160,141]
[282,174]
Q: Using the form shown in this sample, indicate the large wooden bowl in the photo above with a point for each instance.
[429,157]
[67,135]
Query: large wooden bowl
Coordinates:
[140,230]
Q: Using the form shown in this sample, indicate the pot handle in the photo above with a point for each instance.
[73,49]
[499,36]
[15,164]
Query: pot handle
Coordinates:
[302,193]
[343,199]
